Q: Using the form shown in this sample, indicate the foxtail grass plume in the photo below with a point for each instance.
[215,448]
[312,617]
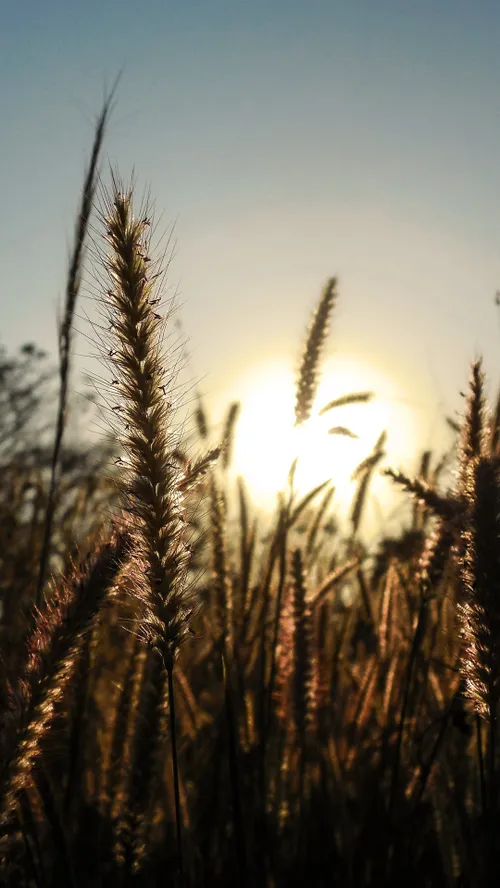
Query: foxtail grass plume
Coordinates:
[345,400]
[304,666]
[448,508]
[53,652]
[472,437]
[228,436]
[152,480]
[222,587]
[307,383]
[480,572]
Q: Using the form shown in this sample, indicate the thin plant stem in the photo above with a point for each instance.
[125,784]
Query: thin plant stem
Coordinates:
[235,776]
[175,768]
[481,762]
[492,762]
[28,821]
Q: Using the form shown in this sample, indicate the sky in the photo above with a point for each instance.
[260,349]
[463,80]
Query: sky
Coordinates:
[288,141]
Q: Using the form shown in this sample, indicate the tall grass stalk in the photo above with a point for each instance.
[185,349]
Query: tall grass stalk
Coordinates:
[66,327]
[152,484]
[54,648]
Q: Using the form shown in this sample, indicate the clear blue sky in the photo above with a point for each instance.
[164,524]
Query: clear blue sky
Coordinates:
[291,141]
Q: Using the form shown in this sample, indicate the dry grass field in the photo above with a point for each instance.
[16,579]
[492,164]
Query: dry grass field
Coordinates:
[191,699]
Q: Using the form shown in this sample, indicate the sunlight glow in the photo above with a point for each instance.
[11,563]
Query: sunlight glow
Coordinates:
[267,442]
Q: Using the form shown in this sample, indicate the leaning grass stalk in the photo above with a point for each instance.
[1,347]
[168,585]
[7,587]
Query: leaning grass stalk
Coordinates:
[65,332]
[196,472]
[448,508]
[363,474]
[305,502]
[426,769]
[256,613]
[317,521]
[320,595]
[54,649]
[343,400]
[365,596]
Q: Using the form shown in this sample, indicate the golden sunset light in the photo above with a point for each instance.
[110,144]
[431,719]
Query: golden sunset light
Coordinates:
[250,444]
[267,440]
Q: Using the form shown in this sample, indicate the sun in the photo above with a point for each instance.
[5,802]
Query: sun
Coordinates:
[267,441]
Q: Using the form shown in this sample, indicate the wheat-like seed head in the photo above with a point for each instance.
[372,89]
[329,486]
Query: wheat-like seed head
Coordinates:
[304,678]
[307,382]
[54,648]
[229,431]
[480,572]
[152,481]
[449,508]
[222,587]
[472,438]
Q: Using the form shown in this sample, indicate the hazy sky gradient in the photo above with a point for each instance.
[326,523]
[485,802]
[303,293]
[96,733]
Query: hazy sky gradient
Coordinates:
[291,141]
